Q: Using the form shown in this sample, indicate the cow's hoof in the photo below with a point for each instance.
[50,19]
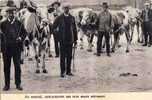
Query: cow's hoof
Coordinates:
[89,50]
[50,56]
[38,61]
[45,71]
[81,48]
[30,59]
[113,51]
[57,56]
[37,71]
[127,51]
[138,41]
[119,46]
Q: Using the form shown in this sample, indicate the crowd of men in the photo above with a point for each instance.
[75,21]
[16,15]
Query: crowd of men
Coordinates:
[65,36]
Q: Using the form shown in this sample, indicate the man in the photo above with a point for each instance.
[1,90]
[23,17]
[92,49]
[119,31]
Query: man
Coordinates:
[104,28]
[13,34]
[67,37]
[56,5]
[147,20]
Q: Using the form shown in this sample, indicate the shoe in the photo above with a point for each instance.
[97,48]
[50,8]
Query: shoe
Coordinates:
[149,45]
[56,56]
[97,54]
[70,74]
[127,51]
[62,75]
[6,88]
[19,88]
[50,55]
[45,71]
[144,45]
[21,61]
[37,71]
[108,55]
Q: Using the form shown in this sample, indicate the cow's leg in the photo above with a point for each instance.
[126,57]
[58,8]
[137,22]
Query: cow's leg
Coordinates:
[132,32]
[49,48]
[81,39]
[30,52]
[138,33]
[116,39]
[43,61]
[90,40]
[22,57]
[37,58]
[128,41]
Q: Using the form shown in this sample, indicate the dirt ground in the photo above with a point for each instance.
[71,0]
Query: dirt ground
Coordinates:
[123,72]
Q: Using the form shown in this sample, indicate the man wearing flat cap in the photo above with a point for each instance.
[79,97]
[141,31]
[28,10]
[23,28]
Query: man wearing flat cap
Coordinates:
[67,38]
[146,25]
[13,35]
[104,28]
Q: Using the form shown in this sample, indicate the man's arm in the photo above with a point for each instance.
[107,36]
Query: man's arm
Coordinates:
[55,24]
[23,32]
[75,30]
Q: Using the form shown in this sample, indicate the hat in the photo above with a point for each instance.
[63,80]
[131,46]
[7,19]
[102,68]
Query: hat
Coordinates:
[56,2]
[66,5]
[10,6]
[146,3]
[10,9]
[105,4]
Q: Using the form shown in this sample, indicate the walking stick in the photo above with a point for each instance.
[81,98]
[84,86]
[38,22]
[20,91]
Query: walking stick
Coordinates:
[73,57]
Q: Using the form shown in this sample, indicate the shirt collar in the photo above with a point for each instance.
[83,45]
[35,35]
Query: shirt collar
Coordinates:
[11,21]
[66,15]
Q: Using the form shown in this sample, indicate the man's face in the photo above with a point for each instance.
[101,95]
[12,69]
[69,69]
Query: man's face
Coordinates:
[105,8]
[66,10]
[147,6]
[11,14]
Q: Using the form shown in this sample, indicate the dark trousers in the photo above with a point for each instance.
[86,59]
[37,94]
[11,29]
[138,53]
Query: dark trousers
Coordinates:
[56,43]
[8,54]
[65,57]
[147,32]
[99,41]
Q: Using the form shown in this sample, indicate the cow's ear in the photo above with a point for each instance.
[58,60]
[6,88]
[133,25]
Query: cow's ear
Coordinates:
[50,10]
[32,10]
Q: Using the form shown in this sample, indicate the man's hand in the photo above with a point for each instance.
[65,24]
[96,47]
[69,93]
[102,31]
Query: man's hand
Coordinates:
[19,39]
[75,43]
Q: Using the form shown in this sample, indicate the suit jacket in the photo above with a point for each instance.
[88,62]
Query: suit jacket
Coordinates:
[59,25]
[10,39]
[149,15]
[105,21]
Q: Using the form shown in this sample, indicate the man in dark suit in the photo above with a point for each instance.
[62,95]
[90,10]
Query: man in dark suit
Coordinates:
[146,25]
[13,35]
[67,37]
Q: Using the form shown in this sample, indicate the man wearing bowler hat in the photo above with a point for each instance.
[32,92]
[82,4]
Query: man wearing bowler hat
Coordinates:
[13,35]
[104,28]
[67,38]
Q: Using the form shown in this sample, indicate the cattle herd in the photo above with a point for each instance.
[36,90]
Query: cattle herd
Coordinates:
[123,22]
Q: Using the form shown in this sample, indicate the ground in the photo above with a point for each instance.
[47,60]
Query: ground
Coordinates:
[122,72]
